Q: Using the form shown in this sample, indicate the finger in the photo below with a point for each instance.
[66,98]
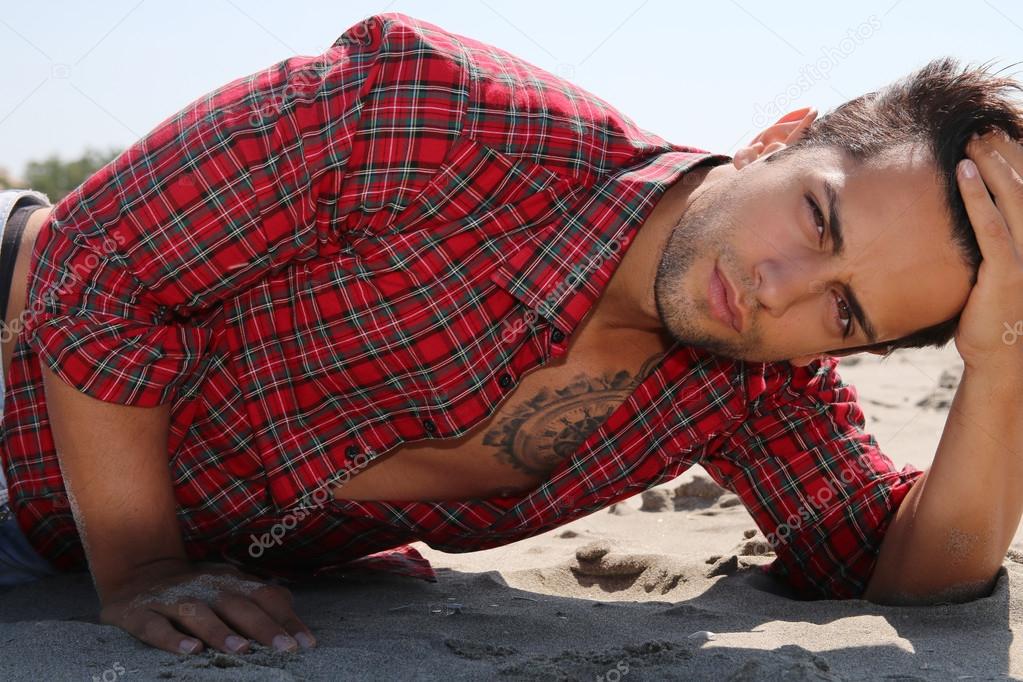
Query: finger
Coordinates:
[277,601]
[199,619]
[247,617]
[264,611]
[1002,179]
[989,226]
[157,631]
[1009,148]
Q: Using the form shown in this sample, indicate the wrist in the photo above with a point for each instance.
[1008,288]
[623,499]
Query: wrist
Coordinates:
[114,584]
[999,378]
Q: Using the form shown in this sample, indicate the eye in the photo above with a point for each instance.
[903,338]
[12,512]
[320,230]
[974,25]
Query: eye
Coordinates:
[844,316]
[818,218]
[842,311]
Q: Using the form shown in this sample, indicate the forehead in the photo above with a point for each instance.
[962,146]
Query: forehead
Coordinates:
[899,255]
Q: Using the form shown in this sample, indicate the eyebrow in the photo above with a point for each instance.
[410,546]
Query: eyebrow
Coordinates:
[838,249]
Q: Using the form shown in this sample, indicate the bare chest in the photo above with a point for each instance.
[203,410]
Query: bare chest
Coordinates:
[541,423]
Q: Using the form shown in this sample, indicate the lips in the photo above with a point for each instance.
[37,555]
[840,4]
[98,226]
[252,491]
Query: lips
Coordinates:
[722,297]
[732,299]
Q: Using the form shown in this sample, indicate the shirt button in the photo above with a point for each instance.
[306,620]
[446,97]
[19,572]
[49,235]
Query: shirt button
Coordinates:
[351,451]
[557,336]
[429,425]
[504,380]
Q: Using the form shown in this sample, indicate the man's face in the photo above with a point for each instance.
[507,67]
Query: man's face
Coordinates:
[748,253]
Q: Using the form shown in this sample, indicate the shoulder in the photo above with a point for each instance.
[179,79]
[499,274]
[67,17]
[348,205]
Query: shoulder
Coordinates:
[512,106]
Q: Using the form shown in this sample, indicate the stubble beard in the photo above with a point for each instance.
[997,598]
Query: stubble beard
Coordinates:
[686,317]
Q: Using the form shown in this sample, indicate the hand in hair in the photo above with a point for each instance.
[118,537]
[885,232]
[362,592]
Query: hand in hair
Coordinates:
[994,203]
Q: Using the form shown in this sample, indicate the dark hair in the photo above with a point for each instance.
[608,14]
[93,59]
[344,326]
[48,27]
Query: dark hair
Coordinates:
[938,106]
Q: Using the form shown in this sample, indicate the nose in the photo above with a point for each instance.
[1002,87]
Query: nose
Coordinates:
[781,283]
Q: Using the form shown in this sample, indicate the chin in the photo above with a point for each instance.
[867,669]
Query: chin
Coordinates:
[740,352]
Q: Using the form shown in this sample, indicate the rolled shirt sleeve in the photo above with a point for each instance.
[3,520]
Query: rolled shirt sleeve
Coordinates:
[247,180]
[815,482]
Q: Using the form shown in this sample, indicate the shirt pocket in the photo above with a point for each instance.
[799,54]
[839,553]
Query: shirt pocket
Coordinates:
[486,193]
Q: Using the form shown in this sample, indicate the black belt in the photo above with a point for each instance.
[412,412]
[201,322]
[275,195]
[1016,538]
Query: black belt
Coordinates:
[9,249]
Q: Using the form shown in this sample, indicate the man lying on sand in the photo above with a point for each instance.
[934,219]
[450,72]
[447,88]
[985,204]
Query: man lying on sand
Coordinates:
[417,289]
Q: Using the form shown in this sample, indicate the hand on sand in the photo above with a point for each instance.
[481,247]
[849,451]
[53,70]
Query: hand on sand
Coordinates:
[178,607]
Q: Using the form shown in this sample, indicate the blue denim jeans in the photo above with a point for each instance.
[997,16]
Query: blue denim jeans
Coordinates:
[19,561]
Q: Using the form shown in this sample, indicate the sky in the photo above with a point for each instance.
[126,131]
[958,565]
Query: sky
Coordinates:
[102,75]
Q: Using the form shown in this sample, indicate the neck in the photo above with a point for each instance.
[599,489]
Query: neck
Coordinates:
[628,300]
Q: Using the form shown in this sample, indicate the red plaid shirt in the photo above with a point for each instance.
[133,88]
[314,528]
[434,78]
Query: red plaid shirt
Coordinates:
[319,262]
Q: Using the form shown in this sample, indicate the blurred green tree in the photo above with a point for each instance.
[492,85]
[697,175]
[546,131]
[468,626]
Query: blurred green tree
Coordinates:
[56,178]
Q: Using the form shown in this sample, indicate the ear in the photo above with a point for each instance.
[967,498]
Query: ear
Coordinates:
[786,131]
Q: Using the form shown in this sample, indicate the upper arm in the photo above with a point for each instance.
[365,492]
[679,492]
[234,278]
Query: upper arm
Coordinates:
[264,172]
[816,484]
[925,559]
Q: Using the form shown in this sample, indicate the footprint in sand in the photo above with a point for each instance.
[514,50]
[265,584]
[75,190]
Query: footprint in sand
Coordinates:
[753,544]
[478,651]
[656,500]
[700,494]
[596,563]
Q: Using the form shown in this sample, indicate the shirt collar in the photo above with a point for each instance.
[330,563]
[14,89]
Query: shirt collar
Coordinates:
[562,269]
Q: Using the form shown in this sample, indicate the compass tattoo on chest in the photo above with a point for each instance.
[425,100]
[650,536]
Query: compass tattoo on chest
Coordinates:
[543,430]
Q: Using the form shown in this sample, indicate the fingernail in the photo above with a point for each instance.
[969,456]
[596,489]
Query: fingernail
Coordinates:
[968,168]
[305,640]
[974,136]
[284,643]
[188,646]
[235,643]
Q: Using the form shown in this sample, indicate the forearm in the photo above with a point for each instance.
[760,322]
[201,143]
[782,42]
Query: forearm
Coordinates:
[951,532]
[114,462]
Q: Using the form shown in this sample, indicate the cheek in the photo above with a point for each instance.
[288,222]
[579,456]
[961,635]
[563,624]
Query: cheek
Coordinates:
[806,326]
[774,236]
